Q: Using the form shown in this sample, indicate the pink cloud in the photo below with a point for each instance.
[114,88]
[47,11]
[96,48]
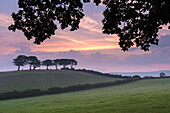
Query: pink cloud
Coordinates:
[5,20]
[90,24]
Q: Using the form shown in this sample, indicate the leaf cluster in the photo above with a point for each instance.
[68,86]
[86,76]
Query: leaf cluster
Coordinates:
[136,22]
[39,18]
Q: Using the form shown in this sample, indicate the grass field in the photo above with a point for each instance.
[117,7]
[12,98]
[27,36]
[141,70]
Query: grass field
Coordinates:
[145,96]
[10,81]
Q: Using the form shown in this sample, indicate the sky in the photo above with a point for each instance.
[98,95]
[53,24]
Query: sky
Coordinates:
[88,45]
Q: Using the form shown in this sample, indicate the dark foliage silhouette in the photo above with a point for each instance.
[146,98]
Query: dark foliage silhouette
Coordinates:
[32,61]
[21,60]
[47,63]
[56,63]
[73,62]
[162,74]
[64,63]
[36,64]
[136,22]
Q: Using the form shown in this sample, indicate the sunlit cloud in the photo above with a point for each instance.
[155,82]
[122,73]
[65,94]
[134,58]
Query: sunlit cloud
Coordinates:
[72,46]
[161,35]
[6,48]
[101,47]
[164,31]
[165,27]
[90,24]
[66,43]
[5,20]
[69,38]
[112,38]
[88,45]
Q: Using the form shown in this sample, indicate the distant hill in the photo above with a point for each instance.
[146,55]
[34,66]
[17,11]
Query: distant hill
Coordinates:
[142,74]
[43,79]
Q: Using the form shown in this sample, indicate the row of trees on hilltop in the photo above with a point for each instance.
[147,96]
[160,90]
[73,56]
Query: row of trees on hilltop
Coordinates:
[34,62]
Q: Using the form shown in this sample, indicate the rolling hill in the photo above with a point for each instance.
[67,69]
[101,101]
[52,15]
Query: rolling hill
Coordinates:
[43,79]
[142,74]
[144,96]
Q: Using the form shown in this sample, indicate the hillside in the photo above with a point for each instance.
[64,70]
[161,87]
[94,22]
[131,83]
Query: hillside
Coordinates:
[145,96]
[43,79]
[142,74]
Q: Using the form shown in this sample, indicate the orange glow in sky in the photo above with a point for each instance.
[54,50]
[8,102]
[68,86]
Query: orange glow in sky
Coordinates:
[102,51]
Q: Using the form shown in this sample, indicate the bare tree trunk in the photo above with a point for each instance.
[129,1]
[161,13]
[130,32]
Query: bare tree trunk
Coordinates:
[56,67]
[18,68]
[30,66]
[47,67]
[34,68]
[71,66]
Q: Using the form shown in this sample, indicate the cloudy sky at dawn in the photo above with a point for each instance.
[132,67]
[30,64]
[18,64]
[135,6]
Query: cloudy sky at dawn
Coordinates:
[92,49]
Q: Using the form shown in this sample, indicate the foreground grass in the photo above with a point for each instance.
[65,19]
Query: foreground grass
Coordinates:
[43,80]
[145,96]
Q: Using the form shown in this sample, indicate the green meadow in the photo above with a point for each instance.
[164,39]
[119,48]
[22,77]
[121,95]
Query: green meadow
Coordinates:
[144,96]
[43,80]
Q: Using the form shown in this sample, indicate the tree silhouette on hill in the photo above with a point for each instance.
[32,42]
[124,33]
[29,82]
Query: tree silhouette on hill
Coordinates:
[36,64]
[162,74]
[56,63]
[21,60]
[72,63]
[64,63]
[47,63]
[32,61]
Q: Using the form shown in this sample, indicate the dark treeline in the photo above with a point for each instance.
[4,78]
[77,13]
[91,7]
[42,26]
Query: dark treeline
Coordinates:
[34,62]
[56,90]
[151,77]
[106,74]
[162,75]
